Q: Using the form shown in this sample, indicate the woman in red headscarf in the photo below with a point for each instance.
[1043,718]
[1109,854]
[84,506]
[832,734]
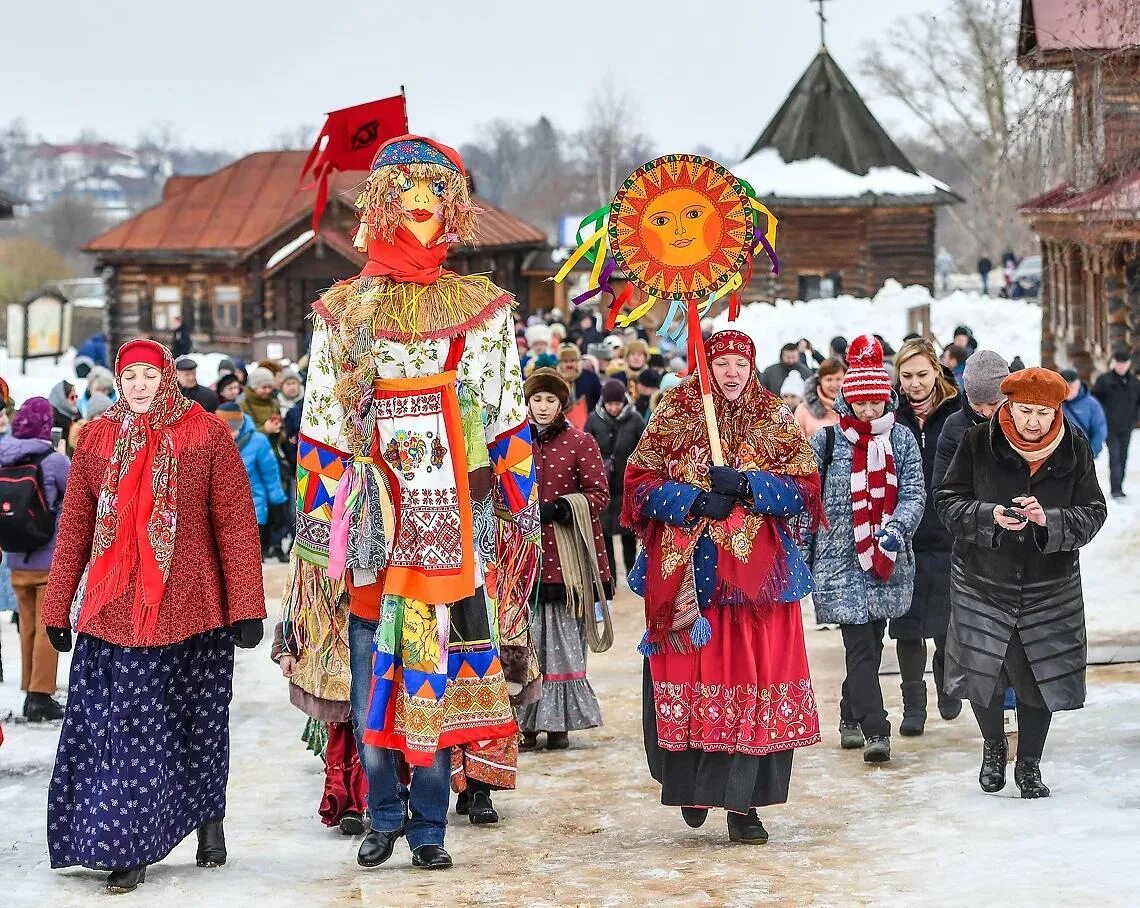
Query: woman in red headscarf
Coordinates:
[158,570]
[727,694]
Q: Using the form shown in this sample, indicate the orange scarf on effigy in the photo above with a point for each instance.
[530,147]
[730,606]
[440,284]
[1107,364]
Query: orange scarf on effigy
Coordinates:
[1034,453]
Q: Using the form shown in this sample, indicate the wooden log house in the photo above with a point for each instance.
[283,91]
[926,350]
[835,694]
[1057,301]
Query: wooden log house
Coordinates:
[1089,226]
[852,209]
[233,254]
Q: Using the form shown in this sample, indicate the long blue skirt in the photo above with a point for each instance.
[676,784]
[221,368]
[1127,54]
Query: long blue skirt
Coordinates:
[144,753]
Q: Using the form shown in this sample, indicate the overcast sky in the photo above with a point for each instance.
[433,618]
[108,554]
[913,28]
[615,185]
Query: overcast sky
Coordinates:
[234,73]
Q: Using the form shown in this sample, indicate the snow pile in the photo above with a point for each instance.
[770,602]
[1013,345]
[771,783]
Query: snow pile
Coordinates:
[1011,327]
[818,178]
[288,249]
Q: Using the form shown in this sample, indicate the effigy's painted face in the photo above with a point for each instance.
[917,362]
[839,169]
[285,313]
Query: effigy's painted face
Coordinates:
[422,201]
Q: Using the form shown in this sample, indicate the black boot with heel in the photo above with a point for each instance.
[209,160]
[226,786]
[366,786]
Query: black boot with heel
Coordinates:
[211,844]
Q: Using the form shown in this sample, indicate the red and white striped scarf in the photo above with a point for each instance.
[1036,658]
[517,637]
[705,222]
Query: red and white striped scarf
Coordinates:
[874,488]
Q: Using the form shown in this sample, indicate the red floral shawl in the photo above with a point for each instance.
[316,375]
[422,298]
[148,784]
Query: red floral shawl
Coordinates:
[757,433]
[136,512]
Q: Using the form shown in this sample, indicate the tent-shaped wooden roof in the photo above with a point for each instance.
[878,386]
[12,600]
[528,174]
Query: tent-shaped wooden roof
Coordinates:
[238,209]
[824,117]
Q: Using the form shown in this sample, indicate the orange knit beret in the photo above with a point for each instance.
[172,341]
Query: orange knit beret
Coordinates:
[1039,387]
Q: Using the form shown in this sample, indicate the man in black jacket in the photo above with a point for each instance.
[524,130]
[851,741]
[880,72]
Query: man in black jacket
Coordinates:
[774,375]
[981,398]
[187,374]
[1118,391]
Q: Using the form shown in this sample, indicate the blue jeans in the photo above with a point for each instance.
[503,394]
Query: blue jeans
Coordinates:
[388,799]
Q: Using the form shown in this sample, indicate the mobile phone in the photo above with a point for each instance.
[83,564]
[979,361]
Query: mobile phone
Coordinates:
[56,436]
[1014,512]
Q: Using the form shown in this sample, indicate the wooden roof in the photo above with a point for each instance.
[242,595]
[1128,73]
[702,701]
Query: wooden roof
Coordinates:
[1117,199]
[824,117]
[236,210]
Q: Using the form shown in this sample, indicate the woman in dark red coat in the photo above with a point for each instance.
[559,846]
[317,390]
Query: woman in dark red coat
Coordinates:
[158,569]
[568,461]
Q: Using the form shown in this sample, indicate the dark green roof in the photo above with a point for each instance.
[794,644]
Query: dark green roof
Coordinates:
[824,117]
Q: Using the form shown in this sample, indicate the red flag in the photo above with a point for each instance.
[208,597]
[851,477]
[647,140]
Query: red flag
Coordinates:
[576,415]
[349,140]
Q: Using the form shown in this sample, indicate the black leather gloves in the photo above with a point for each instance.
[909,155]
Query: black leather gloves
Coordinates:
[713,505]
[248,632]
[557,511]
[727,481]
[60,638]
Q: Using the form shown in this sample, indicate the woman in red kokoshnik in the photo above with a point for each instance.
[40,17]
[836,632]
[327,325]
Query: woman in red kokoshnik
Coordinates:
[727,694]
[158,570]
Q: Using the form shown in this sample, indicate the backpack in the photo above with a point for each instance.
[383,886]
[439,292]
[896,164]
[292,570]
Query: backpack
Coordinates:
[27,524]
[828,455]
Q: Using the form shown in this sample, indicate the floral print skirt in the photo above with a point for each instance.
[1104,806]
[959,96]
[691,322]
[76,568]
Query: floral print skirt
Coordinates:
[144,752]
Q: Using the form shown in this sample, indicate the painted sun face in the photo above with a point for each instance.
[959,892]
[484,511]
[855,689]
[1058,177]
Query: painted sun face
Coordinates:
[680,227]
[422,199]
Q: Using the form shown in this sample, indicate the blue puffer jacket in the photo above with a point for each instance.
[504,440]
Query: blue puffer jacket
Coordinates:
[261,465]
[1085,412]
[844,592]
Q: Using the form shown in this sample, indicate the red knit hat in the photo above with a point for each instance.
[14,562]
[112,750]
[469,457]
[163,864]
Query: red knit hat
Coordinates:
[866,379]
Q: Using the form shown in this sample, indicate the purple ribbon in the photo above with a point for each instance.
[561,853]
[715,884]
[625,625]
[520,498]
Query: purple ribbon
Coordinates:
[759,239]
[604,284]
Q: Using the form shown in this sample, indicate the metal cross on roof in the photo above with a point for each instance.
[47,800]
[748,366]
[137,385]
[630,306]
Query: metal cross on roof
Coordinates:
[822,22]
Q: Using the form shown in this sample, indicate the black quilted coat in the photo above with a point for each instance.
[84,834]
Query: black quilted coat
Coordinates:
[1028,582]
[929,612]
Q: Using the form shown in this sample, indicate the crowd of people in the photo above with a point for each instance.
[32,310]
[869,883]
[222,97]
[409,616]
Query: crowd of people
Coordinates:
[905,494]
[464,483]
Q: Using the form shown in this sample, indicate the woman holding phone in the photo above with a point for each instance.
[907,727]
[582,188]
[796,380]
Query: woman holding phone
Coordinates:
[1021,498]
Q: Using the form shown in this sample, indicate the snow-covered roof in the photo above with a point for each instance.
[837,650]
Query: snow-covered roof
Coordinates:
[288,249]
[818,179]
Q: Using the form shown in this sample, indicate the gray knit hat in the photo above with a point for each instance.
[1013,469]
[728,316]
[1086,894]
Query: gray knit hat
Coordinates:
[260,378]
[985,371]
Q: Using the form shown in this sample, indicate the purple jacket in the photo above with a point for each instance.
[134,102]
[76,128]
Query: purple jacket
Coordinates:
[55,468]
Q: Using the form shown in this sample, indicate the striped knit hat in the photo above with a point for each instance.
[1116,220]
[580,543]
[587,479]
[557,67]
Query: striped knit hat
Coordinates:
[866,379]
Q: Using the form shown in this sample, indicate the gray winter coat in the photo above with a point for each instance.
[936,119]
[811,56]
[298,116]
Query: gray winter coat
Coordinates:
[845,593]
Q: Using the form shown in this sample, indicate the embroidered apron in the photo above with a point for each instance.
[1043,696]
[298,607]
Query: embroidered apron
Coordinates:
[419,442]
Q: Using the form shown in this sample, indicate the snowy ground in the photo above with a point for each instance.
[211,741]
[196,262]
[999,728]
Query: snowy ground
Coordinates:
[586,827]
[1011,327]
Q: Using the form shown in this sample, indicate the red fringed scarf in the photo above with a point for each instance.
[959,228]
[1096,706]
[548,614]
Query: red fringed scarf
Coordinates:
[757,433]
[405,258]
[136,512]
[874,488]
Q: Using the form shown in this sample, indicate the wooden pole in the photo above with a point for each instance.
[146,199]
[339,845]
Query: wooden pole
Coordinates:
[700,365]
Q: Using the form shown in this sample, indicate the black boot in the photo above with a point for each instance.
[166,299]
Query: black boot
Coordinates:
[746,828]
[994,755]
[1027,775]
[351,823]
[211,844]
[914,708]
[557,740]
[480,810]
[877,749]
[695,816]
[850,735]
[377,847]
[948,707]
[42,708]
[126,880]
[431,857]
[528,741]
[462,803]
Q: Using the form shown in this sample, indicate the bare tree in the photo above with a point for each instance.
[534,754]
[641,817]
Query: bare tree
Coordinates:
[299,138]
[66,225]
[611,145]
[27,264]
[1004,130]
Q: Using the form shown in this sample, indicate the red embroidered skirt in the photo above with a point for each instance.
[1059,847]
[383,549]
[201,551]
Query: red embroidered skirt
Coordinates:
[747,691]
